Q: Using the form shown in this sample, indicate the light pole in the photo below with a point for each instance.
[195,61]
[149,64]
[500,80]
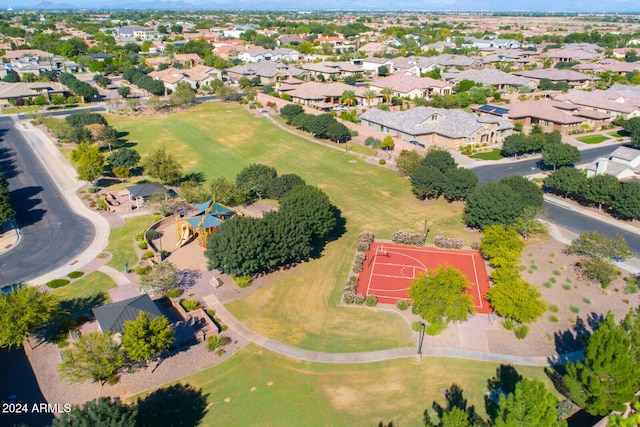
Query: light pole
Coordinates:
[425,227]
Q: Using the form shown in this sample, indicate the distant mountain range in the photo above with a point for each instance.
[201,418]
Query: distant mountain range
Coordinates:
[558,6]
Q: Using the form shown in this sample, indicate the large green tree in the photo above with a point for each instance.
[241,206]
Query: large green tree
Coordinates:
[408,161]
[602,190]
[560,154]
[441,296]
[255,178]
[89,161]
[530,405]
[609,376]
[183,95]
[493,203]
[311,207]
[143,339]
[502,245]
[627,202]
[93,356]
[124,158]
[598,245]
[23,311]
[567,182]
[632,126]
[162,165]
[101,412]
[517,300]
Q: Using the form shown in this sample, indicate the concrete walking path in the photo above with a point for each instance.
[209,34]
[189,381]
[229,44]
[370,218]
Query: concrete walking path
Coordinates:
[377,356]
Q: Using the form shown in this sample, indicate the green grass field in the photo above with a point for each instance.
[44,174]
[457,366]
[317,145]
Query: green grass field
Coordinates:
[317,394]
[122,242]
[593,139]
[489,155]
[299,306]
[86,286]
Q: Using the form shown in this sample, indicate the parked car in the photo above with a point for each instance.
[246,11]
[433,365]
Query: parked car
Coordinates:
[417,144]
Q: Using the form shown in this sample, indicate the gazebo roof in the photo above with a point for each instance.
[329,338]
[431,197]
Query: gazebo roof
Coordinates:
[111,317]
[210,221]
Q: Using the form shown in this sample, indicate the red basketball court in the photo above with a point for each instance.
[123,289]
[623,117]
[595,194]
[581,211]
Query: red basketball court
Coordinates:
[389,269]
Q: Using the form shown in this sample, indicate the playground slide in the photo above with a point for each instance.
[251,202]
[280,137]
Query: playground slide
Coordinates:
[183,238]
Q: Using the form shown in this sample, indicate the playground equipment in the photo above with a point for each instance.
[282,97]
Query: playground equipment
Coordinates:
[211,215]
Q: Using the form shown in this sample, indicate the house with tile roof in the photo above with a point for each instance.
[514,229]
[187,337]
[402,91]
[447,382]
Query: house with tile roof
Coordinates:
[408,85]
[11,92]
[573,78]
[330,69]
[492,77]
[197,76]
[548,114]
[572,54]
[376,47]
[623,163]
[618,100]
[438,126]
[609,65]
[326,96]
[372,63]
[277,55]
[268,71]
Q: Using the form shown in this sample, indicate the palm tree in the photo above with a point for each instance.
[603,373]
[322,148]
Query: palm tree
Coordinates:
[370,94]
[348,98]
[387,93]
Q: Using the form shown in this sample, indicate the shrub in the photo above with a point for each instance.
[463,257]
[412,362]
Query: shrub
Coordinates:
[382,161]
[586,300]
[574,309]
[57,283]
[405,238]
[216,341]
[349,297]
[522,331]
[373,142]
[142,270]
[450,243]
[93,190]
[509,324]
[365,240]
[359,299]
[189,304]
[139,237]
[631,286]
[121,172]
[75,274]
[554,308]
[371,300]
[557,272]
[416,326]
[435,328]
[566,287]
[174,293]
[475,245]
[553,280]
[547,285]
[147,255]
[402,304]
[142,245]
[553,318]
[242,281]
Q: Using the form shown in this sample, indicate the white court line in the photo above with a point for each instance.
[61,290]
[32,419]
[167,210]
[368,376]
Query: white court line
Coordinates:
[393,277]
[390,290]
[475,272]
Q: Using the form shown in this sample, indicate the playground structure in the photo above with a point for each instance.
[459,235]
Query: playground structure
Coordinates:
[211,215]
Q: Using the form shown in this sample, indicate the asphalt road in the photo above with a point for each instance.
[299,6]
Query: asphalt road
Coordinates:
[52,234]
[493,172]
[570,220]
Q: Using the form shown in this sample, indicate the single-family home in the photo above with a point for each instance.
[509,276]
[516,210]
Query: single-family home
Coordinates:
[326,96]
[492,77]
[197,76]
[408,85]
[13,92]
[268,71]
[372,64]
[618,100]
[573,78]
[438,126]
[277,55]
[336,70]
[623,163]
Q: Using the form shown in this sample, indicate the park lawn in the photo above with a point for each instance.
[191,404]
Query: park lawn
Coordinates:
[299,306]
[122,242]
[489,155]
[86,286]
[593,139]
[324,394]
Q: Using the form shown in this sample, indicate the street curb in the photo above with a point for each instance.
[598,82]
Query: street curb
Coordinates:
[62,174]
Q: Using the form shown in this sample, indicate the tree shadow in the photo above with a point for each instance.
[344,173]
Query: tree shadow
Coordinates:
[504,382]
[187,278]
[23,200]
[573,339]
[79,304]
[382,424]
[8,163]
[179,405]
[556,376]
[197,177]
[105,181]
[455,399]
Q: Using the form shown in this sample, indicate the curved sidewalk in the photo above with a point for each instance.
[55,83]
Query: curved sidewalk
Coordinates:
[377,356]
[64,177]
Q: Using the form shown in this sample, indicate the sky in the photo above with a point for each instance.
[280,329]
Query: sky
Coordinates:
[594,6]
